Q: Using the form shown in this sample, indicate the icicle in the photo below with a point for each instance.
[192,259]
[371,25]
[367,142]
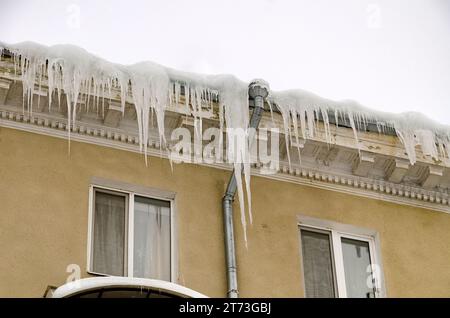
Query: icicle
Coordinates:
[408,139]
[177,93]
[103,101]
[186,95]
[427,141]
[297,139]
[336,118]
[40,85]
[287,135]
[326,124]
[50,83]
[89,84]
[15,66]
[355,132]
[271,110]
[310,122]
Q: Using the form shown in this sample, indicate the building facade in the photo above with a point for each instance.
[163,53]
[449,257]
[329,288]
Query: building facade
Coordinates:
[345,220]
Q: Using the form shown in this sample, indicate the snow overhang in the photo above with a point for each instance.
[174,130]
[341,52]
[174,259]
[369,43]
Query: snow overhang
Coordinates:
[110,287]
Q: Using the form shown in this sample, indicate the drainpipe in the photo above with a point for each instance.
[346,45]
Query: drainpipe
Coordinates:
[258,90]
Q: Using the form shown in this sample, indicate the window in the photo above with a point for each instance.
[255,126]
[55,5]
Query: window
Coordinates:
[338,264]
[130,235]
[318,264]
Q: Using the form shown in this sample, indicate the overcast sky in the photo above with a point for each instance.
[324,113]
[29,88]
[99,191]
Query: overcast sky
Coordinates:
[392,55]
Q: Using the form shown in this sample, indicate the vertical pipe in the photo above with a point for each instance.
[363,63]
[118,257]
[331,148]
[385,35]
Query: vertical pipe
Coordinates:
[258,89]
[230,252]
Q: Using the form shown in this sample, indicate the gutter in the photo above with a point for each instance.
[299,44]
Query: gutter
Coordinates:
[258,90]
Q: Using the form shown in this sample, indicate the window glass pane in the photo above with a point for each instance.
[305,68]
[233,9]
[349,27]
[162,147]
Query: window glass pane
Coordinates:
[109,234]
[356,256]
[151,238]
[317,264]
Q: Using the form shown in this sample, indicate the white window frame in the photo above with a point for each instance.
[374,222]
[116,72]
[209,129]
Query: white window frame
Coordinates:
[338,231]
[119,189]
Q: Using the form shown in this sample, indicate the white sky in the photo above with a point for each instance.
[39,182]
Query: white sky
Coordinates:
[392,55]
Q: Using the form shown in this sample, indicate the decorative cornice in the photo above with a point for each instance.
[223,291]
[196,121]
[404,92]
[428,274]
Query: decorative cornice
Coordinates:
[376,189]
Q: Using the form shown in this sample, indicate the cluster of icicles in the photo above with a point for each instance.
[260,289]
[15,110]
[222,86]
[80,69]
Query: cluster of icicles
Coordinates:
[153,88]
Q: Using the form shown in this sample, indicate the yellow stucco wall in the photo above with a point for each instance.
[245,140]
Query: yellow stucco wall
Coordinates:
[44,219]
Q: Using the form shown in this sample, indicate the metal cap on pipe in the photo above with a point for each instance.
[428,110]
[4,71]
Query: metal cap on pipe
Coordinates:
[258,87]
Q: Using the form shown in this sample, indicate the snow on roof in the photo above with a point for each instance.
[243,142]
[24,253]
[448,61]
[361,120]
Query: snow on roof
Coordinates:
[412,128]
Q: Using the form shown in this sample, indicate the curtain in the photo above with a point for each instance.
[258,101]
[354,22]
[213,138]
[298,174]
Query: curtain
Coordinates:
[151,238]
[109,234]
[356,263]
[317,264]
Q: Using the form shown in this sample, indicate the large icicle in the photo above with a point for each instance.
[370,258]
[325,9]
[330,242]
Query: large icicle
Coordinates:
[150,89]
[234,113]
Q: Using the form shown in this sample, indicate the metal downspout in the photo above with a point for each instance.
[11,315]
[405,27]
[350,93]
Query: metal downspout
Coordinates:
[258,90]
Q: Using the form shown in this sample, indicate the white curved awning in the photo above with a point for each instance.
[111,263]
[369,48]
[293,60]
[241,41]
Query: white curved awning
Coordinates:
[106,285]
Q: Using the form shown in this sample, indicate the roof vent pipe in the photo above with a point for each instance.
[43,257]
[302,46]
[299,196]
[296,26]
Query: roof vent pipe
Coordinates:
[258,90]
